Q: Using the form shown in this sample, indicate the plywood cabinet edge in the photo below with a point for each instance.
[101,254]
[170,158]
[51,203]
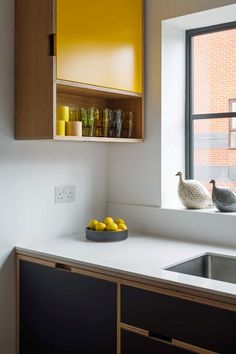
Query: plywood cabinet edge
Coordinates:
[178,291]
[34,69]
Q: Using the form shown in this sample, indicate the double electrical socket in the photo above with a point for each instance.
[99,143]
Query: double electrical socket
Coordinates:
[64,194]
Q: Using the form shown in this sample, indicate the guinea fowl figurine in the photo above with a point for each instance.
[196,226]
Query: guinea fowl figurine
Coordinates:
[193,194]
[223,198]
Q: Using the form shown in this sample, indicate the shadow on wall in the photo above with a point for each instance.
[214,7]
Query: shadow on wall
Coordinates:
[7,304]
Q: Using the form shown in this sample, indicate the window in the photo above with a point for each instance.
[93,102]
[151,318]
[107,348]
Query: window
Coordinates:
[232,132]
[211,104]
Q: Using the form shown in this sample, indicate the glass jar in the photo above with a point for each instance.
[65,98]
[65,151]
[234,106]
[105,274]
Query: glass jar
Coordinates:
[111,129]
[98,126]
[118,120]
[115,123]
[105,122]
[91,120]
[73,114]
[128,125]
[84,120]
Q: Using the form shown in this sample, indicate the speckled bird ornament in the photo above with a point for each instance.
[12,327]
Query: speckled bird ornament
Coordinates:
[192,194]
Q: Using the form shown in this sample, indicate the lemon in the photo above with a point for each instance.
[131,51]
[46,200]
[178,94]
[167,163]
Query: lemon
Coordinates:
[119,221]
[108,220]
[100,226]
[112,227]
[122,227]
[92,224]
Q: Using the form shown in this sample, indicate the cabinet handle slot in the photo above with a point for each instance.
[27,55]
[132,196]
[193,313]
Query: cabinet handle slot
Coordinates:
[52,51]
[160,337]
[63,267]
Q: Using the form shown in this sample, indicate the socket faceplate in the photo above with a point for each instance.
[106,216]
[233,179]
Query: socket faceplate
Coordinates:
[64,194]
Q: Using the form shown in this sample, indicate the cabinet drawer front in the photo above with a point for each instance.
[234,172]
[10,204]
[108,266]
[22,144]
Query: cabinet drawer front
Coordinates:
[65,313]
[135,343]
[197,324]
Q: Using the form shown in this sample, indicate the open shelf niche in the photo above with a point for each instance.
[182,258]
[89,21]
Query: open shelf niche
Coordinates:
[76,95]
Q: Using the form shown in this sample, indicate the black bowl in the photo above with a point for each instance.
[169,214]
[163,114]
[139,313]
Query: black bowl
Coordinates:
[106,236]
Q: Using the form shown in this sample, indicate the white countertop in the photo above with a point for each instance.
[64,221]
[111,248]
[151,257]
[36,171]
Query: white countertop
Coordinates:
[140,255]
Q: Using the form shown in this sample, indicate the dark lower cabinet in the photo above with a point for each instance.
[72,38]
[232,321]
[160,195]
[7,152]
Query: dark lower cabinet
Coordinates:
[190,322]
[132,343]
[65,313]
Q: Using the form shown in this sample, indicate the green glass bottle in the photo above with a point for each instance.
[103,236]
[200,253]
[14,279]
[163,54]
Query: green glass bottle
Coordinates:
[105,122]
[131,124]
[91,120]
[97,123]
[84,120]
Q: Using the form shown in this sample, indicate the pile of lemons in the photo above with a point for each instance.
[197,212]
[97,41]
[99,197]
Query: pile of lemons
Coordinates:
[108,224]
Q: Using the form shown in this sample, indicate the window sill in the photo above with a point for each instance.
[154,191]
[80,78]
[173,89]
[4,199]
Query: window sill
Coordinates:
[213,211]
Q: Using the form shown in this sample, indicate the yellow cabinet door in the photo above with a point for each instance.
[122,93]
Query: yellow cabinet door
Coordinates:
[99,42]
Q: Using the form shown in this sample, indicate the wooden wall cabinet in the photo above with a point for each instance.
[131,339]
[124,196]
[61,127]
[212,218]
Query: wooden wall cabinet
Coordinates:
[77,53]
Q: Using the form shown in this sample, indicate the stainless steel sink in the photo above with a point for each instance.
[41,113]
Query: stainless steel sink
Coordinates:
[209,265]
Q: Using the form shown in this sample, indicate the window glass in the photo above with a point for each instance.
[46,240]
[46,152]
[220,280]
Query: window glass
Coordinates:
[233,106]
[212,158]
[233,123]
[233,139]
[233,120]
[214,71]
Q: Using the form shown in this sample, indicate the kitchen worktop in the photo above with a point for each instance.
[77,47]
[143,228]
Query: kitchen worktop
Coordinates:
[139,256]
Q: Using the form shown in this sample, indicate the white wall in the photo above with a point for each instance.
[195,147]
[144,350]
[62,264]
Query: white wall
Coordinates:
[137,192]
[28,173]
[173,111]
